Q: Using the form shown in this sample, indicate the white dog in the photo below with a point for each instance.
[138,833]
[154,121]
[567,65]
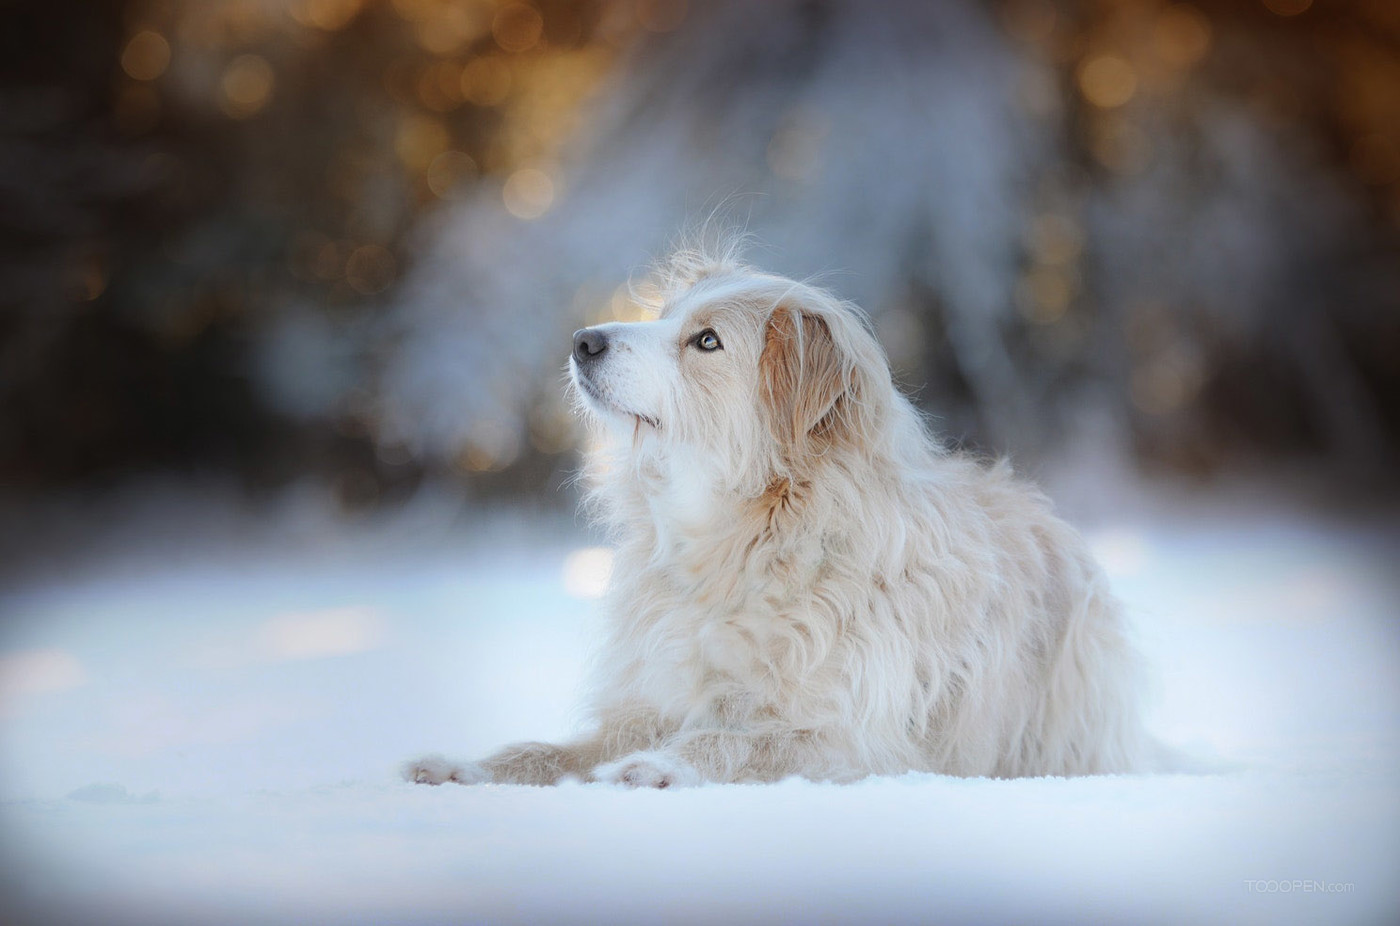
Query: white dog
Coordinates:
[806,583]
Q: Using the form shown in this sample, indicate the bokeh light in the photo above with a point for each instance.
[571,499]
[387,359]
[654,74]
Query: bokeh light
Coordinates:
[1107,81]
[247,85]
[146,56]
[444,28]
[486,81]
[517,27]
[587,572]
[491,446]
[528,193]
[329,15]
[419,141]
[450,175]
[1182,35]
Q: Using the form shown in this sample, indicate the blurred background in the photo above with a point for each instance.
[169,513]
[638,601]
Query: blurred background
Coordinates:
[265,241]
[286,290]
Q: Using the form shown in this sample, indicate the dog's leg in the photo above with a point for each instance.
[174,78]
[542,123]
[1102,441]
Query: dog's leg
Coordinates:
[436,770]
[622,729]
[518,763]
[692,758]
[543,763]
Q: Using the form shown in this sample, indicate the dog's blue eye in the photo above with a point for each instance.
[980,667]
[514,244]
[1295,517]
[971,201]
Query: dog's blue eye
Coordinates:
[708,340]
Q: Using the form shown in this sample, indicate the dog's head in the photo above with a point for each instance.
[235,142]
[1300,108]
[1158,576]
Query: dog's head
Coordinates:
[754,376]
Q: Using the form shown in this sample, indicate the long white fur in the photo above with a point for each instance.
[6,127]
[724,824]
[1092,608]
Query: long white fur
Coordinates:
[806,583]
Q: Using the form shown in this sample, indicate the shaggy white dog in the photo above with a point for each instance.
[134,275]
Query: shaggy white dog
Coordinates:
[806,583]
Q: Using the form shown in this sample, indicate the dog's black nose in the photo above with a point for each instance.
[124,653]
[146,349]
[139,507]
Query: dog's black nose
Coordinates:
[588,344]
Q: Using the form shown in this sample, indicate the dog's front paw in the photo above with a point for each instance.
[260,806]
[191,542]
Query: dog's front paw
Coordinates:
[648,770]
[435,770]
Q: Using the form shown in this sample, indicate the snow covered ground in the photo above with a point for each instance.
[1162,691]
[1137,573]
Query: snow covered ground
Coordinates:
[201,719]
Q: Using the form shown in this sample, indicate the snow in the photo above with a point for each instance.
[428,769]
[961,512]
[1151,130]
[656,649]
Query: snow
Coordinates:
[201,719]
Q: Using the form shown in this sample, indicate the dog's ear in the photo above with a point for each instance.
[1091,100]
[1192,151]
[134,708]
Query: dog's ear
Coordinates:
[809,388]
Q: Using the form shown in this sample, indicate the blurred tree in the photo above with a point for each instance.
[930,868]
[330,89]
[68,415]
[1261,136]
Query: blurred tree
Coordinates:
[350,236]
[1182,217]
[204,204]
